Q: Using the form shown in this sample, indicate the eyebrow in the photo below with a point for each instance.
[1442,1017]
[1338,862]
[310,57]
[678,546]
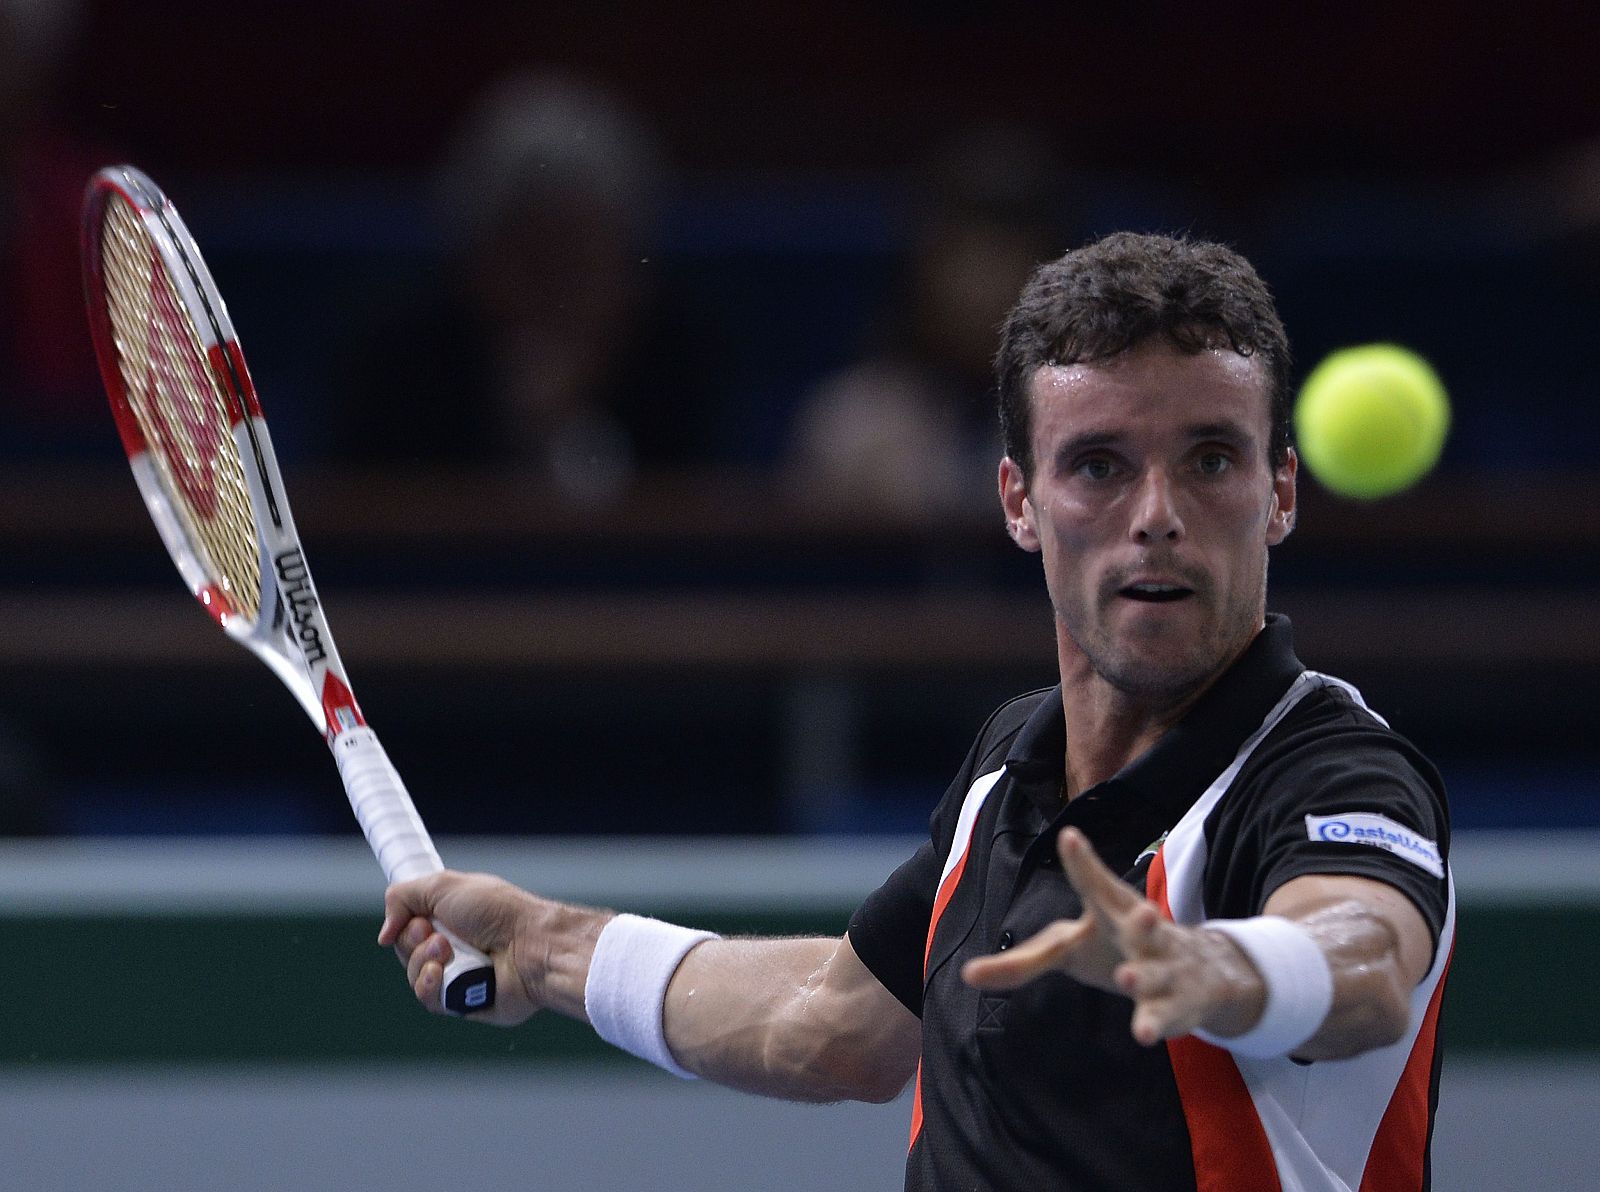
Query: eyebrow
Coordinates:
[1227,432]
[1085,442]
[1230,432]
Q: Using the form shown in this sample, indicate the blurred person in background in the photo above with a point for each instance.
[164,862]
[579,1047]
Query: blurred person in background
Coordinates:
[50,397]
[544,348]
[910,426]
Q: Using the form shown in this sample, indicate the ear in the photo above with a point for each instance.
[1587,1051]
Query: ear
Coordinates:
[1280,520]
[1014,500]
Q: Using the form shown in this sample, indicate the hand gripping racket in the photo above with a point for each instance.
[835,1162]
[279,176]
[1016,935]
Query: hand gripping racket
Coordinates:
[198,445]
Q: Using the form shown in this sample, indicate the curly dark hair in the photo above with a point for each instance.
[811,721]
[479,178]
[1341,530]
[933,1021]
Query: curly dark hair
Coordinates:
[1115,293]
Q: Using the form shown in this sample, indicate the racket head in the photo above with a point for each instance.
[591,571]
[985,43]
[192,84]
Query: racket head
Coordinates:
[191,424]
[179,388]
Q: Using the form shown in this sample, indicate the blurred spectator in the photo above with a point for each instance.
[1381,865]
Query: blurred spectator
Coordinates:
[545,346]
[49,390]
[910,427]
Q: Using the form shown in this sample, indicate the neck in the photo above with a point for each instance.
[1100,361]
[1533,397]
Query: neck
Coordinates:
[1107,729]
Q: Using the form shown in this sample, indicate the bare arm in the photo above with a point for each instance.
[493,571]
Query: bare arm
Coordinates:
[1379,948]
[797,1018]
[1185,978]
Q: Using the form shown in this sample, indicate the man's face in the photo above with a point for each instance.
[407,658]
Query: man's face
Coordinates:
[1153,503]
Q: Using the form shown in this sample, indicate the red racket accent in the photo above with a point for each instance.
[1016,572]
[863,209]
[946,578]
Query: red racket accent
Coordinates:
[243,394]
[196,477]
[215,601]
[100,331]
[339,705]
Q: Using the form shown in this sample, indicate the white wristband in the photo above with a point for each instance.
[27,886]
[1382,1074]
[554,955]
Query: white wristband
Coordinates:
[626,989]
[1298,980]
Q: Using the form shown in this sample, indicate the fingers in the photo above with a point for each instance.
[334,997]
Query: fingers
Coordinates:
[1099,888]
[425,969]
[405,938]
[1122,944]
[405,901]
[1049,951]
[408,929]
[424,952]
[1173,992]
[1163,1002]
[413,943]
[1140,931]
[1151,1024]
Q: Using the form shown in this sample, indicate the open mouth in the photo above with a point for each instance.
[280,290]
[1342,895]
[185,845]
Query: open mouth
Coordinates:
[1156,593]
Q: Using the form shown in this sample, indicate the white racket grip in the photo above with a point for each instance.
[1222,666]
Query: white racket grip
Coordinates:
[383,808]
[398,839]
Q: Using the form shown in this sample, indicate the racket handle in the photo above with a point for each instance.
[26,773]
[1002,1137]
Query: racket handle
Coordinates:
[394,831]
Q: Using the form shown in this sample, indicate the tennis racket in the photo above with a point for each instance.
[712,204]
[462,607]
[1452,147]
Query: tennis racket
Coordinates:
[198,445]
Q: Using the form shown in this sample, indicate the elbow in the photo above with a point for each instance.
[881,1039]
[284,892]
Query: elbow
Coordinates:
[879,1088]
[876,1088]
[1383,1006]
[1376,1015]
[1380,1022]
[836,1069]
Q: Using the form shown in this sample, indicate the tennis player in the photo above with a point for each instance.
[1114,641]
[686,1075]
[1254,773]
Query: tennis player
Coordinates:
[1182,921]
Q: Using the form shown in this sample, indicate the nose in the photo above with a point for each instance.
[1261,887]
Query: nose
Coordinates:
[1155,509]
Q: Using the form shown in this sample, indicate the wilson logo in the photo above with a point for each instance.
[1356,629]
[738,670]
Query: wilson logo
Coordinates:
[294,584]
[192,449]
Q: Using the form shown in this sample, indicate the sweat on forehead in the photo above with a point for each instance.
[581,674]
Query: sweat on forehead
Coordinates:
[1152,387]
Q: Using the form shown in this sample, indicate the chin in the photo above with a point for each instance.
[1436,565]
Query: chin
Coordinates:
[1161,668]
[1159,682]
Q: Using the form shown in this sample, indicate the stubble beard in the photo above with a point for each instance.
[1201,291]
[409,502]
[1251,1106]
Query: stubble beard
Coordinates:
[1165,677]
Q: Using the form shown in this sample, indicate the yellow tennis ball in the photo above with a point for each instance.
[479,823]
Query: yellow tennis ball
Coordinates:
[1371,420]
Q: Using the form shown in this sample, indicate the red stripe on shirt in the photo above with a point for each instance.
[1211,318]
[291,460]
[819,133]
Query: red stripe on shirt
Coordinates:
[946,889]
[1226,1138]
[1396,1161]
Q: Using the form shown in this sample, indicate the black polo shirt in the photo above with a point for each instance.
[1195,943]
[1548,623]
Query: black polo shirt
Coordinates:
[1045,1087]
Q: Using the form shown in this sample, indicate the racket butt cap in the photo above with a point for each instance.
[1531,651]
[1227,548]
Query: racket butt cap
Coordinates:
[470,990]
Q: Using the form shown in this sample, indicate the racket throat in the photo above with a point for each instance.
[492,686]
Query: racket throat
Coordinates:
[339,706]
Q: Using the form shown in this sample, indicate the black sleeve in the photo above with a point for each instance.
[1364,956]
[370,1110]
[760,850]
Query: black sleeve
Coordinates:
[1348,798]
[889,930]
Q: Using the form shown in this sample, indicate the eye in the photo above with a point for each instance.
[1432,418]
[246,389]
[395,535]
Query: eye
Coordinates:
[1094,467]
[1213,463]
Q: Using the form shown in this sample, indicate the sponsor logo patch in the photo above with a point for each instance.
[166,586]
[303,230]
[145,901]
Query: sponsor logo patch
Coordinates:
[1367,827]
[1151,849]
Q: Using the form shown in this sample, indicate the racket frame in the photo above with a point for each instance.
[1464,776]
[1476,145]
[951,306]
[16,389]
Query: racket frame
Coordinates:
[289,633]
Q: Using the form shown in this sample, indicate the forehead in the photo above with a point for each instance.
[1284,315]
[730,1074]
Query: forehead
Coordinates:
[1154,387]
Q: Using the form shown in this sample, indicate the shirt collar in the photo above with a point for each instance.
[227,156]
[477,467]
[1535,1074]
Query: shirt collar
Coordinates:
[1170,775]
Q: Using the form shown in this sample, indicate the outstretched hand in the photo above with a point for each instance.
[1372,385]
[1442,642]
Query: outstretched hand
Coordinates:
[1180,978]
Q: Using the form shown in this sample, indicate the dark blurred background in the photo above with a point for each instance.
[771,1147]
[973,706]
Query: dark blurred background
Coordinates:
[629,364]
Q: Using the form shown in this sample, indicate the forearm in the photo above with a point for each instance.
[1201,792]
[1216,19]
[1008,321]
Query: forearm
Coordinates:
[788,1018]
[1375,948]
[802,1018]
[1371,991]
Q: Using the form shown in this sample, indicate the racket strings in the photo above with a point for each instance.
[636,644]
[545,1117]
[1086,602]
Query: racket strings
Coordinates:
[181,408]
